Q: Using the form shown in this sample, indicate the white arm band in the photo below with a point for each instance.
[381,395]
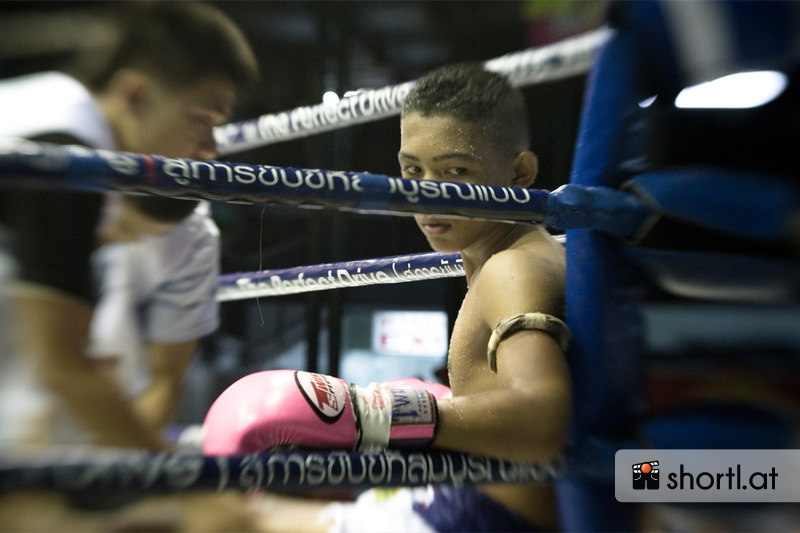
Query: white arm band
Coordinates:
[539,321]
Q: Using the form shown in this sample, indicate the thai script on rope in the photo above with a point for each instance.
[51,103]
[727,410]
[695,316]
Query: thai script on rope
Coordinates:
[571,206]
[165,472]
[547,63]
[75,167]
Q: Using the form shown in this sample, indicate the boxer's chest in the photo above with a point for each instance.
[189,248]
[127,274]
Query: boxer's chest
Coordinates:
[466,361]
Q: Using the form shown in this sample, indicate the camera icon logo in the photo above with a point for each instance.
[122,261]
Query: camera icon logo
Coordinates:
[645,476]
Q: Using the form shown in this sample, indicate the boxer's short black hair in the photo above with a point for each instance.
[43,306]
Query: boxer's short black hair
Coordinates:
[176,42]
[469,93]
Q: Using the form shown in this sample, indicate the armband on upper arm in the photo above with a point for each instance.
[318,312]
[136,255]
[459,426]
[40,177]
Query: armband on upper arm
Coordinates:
[549,324]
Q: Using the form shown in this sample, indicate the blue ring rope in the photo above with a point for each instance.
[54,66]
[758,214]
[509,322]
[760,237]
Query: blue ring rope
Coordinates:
[80,470]
[75,167]
[284,281]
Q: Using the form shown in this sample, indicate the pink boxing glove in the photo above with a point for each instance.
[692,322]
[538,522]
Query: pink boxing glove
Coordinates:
[287,407]
[439,391]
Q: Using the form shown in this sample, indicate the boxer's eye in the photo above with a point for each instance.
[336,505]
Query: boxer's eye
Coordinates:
[409,170]
[456,171]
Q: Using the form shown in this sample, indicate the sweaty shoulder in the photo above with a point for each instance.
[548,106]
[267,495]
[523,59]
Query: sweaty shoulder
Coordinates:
[528,277]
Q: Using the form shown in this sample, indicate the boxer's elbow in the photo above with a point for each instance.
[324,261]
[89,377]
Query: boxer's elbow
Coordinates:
[549,425]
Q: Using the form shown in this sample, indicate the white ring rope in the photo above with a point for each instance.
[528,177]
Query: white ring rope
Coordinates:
[547,63]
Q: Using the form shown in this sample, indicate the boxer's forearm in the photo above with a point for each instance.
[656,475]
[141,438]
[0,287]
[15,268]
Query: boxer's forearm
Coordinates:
[54,332]
[512,425]
[168,363]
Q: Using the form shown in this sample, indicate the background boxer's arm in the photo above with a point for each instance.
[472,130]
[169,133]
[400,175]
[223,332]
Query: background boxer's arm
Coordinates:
[54,236]
[54,329]
[174,320]
[168,363]
[527,417]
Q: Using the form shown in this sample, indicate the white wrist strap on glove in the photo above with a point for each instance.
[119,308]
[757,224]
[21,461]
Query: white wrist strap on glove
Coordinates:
[373,411]
[403,417]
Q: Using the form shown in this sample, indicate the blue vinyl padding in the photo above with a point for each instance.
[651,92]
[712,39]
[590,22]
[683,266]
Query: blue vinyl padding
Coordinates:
[608,279]
[736,202]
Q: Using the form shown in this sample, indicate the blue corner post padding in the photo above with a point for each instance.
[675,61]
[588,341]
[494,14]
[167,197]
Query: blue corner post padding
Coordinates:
[649,53]
[601,300]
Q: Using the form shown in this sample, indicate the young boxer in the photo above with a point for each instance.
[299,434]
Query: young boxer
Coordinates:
[510,382]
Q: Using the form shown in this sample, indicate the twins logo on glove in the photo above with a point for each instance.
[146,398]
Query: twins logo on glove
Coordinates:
[326,397]
[292,408]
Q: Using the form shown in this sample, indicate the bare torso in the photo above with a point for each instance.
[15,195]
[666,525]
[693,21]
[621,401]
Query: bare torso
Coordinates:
[468,368]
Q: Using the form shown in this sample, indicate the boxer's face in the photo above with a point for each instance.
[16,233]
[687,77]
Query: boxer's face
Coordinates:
[178,122]
[444,148]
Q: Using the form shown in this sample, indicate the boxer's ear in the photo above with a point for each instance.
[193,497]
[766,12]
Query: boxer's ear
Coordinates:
[525,167]
[133,89]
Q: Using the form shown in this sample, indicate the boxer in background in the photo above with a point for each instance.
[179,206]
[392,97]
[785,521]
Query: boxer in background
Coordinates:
[170,78]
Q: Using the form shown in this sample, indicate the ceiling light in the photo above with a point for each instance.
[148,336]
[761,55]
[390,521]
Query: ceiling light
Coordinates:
[647,102]
[330,98]
[741,90]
